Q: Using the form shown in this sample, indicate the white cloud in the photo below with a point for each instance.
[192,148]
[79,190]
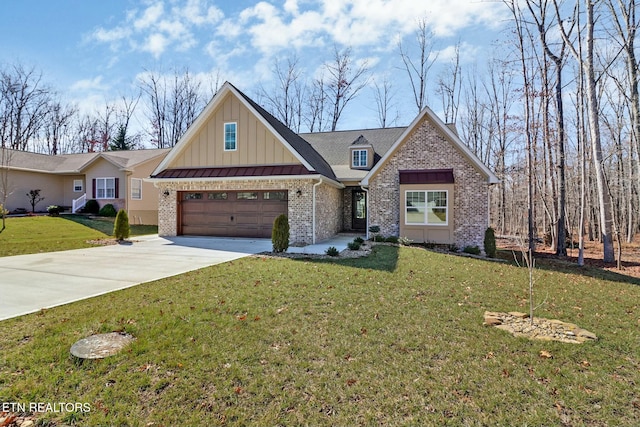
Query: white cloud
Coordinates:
[88,84]
[155,29]
[149,17]
[155,44]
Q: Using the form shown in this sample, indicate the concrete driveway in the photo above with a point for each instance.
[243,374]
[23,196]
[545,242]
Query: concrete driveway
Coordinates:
[29,283]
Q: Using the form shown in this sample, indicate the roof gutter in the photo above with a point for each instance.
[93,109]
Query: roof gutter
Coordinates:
[322,178]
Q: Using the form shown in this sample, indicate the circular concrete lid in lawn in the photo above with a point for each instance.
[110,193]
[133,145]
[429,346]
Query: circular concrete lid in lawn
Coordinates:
[100,346]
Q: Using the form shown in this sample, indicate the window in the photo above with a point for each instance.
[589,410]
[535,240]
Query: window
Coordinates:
[426,207]
[136,189]
[359,159]
[217,196]
[193,196]
[247,195]
[77,186]
[275,195]
[105,188]
[230,137]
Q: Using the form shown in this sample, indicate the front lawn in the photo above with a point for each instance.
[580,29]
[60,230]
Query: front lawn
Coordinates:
[392,339]
[105,225]
[35,234]
[28,235]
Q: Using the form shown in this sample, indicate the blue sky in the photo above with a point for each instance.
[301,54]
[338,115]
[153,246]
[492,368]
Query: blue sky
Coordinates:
[93,51]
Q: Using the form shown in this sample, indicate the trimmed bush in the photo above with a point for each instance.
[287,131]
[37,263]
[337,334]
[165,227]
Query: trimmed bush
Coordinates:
[91,207]
[474,250]
[332,251]
[490,243]
[354,246]
[405,241]
[54,210]
[108,210]
[121,228]
[391,239]
[280,234]
[359,240]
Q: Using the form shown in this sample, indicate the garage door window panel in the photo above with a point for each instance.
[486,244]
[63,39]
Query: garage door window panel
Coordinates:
[217,196]
[275,195]
[247,195]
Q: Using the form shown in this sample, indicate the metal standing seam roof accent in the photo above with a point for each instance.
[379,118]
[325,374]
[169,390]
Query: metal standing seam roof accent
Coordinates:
[232,172]
[426,176]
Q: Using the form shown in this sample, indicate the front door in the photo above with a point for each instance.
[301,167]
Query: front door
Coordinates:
[359,210]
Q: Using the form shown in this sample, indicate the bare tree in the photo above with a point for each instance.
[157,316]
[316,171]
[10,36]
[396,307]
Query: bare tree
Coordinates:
[522,35]
[539,11]
[344,82]
[5,188]
[418,69]
[57,128]
[284,100]
[316,105]
[383,95]
[625,24]
[585,58]
[449,87]
[172,105]
[25,102]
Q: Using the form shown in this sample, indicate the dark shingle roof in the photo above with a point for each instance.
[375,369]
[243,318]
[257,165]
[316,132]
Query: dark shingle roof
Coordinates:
[334,146]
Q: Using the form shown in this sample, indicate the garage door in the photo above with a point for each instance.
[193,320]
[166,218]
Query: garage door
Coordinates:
[231,213]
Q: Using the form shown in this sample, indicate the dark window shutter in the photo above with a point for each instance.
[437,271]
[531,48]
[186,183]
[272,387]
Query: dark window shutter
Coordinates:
[117,195]
[93,189]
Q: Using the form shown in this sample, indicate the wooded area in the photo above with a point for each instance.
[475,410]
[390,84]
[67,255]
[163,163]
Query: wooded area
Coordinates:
[556,114]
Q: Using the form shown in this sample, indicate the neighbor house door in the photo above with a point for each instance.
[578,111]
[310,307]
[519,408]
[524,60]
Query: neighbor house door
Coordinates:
[359,211]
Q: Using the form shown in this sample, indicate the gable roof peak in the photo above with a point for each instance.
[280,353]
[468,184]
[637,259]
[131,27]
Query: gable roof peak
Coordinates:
[361,140]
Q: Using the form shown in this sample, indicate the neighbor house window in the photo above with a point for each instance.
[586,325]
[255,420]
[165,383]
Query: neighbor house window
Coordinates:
[105,188]
[426,208]
[136,189]
[359,159]
[230,137]
[77,186]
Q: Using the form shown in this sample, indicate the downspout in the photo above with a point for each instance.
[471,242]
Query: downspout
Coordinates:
[127,179]
[313,210]
[366,190]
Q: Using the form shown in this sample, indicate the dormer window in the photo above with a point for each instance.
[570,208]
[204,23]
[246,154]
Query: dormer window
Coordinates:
[360,159]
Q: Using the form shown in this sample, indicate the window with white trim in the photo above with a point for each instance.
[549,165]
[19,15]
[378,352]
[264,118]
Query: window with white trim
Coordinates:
[359,159]
[78,186]
[136,189]
[105,188]
[426,207]
[230,137]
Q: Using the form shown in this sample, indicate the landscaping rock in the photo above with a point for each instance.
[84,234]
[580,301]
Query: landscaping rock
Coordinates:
[520,325]
[100,346]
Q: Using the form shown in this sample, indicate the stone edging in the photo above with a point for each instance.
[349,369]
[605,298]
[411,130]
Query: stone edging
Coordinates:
[519,325]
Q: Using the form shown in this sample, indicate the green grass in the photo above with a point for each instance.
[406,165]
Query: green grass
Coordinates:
[26,235]
[105,225]
[392,339]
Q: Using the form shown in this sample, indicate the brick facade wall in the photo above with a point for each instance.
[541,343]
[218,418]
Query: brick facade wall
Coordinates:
[427,148]
[300,212]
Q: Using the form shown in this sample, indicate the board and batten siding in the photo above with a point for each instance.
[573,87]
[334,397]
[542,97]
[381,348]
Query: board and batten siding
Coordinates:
[256,144]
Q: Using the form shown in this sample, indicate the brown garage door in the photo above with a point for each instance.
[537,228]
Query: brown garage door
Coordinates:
[231,213]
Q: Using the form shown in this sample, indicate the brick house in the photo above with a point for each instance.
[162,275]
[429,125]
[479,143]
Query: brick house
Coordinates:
[237,168]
